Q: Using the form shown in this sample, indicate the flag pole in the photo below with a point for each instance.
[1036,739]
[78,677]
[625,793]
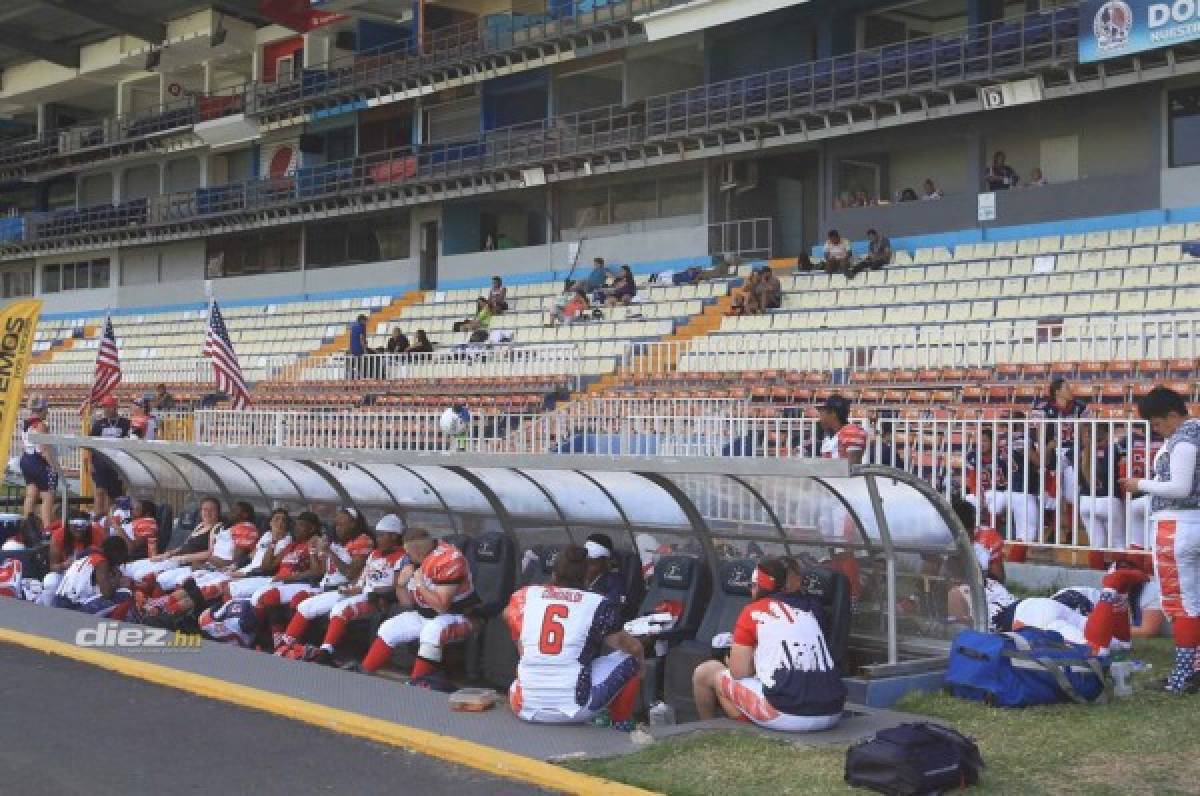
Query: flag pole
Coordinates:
[86,488]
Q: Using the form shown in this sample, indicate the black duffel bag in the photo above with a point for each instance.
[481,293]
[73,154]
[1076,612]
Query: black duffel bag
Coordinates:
[911,759]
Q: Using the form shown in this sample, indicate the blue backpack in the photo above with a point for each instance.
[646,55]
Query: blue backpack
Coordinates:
[1022,668]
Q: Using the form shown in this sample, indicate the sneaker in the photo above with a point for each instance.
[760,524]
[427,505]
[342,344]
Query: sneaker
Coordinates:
[322,656]
[629,725]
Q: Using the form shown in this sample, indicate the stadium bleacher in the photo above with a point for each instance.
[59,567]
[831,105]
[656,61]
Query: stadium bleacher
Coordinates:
[1029,309]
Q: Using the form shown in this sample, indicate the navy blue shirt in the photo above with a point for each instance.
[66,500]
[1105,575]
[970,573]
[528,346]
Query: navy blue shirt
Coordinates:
[611,586]
[358,336]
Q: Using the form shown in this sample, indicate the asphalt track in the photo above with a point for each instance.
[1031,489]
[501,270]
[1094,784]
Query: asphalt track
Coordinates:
[69,728]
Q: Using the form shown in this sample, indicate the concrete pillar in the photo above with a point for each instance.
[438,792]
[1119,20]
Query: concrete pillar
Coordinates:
[42,118]
[208,77]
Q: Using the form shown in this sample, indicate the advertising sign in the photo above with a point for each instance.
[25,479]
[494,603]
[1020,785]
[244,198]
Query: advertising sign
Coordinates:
[1112,28]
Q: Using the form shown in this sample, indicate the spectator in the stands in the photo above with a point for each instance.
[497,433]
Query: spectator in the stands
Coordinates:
[879,254]
[837,254]
[142,424]
[482,320]
[745,301]
[1000,176]
[575,308]
[398,342]
[489,243]
[908,195]
[498,296]
[358,346]
[598,277]
[861,199]
[624,289]
[931,190]
[163,400]
[768,291]
[1036,178]
[422,345]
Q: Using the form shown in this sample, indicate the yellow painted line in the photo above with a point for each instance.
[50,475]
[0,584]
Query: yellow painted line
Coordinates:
[456,750]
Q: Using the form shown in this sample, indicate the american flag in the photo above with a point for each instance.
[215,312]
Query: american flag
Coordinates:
[108,365]
[219,349]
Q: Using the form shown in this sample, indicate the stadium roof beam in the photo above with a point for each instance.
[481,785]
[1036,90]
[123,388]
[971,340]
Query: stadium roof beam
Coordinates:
[145,28]
[61,54]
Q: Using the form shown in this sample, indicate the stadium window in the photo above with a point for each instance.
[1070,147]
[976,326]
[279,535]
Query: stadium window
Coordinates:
[50,280]
[681,196]
[636,201]
[585,208]
[1183,120]
[18,282]
[100,273]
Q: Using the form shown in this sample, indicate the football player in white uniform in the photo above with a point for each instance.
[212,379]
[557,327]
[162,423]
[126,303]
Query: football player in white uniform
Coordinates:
[562,633]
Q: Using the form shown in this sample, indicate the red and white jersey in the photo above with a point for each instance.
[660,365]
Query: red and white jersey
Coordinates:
[10,577]
[296,558]
[379,573]
[991,542]
[79,580]
[238,538]
[559,632]
[995,595]
[360,545]
[791,657]
[33,425]
[140,529]
[260,552]
[444,565]
[849,439]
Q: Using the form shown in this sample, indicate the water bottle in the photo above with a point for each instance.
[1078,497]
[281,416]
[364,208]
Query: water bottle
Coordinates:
[1121,672]
[661,715]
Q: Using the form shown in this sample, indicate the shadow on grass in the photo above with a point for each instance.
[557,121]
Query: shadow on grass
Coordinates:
[1145,744]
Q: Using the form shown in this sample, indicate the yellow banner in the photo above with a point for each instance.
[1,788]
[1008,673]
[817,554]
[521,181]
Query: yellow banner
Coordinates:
[18,321]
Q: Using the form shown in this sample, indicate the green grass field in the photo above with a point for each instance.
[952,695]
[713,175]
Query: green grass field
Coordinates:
[1146,744]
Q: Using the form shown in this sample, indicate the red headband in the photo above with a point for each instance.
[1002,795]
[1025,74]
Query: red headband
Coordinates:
[763,581]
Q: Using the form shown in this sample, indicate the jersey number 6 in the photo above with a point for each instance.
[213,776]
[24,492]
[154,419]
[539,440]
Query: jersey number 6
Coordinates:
[551,641]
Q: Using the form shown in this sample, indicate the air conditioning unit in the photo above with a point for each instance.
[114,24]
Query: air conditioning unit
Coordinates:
[1005,95]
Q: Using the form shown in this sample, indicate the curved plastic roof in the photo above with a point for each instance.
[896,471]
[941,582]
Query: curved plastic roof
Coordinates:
[898,529]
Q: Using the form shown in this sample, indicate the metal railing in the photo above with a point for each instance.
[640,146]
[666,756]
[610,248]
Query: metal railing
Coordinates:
[749,238]
[407,59]
[479,361]
[848,351]
[467,361]
[1034,41]
[123,128]
[1048,483]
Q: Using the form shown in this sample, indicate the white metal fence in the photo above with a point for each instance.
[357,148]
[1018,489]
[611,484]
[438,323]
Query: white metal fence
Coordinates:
[1053,483]
[920,347]
[472,361]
